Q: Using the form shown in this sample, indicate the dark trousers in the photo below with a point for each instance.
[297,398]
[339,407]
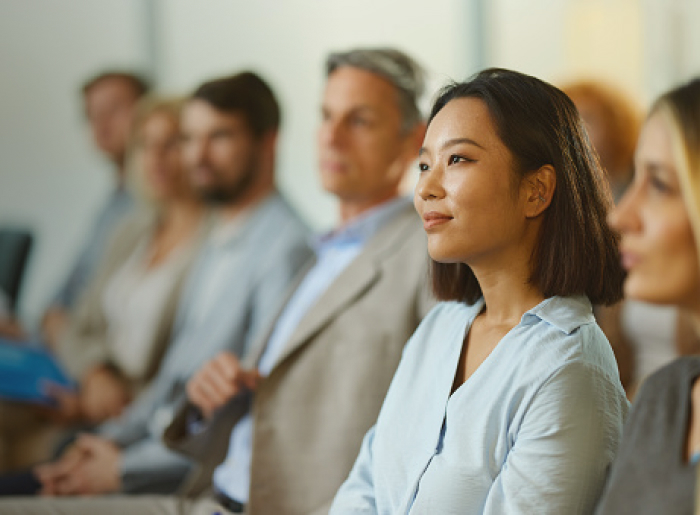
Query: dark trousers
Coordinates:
[19,483]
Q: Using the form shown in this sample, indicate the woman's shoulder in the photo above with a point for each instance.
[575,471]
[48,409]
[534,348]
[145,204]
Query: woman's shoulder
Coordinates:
[568,336]
[670,382]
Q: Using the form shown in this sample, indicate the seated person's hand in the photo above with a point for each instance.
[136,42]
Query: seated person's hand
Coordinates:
[67,405]
[103,395]
[10,328]
[53,323]
[90,466]
[218,381]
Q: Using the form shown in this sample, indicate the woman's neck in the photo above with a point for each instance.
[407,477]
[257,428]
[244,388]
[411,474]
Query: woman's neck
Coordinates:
[507,290]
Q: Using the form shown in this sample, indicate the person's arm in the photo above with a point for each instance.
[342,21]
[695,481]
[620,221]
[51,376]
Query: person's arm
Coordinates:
[561,452]
[356,495]
[219,390]
[135,421]
[149,466]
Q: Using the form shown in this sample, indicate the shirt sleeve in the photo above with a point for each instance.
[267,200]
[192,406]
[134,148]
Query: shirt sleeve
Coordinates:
[356,495]
[561,451]
[150,467]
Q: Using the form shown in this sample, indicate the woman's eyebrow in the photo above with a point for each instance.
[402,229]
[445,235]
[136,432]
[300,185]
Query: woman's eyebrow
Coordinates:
[453,142]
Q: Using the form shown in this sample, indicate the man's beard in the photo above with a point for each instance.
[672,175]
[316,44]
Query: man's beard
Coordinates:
[225,194]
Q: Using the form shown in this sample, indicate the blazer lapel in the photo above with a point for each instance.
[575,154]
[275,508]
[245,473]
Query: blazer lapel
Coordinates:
[353,282]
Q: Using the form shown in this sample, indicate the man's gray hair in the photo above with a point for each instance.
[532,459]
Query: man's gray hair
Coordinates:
[401,71]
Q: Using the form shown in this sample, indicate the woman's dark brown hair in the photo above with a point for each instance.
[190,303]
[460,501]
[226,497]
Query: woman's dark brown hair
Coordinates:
[576,253]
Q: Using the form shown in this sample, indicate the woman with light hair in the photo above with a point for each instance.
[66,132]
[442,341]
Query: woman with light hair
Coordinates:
[644,336]
[121,327]
[659,219]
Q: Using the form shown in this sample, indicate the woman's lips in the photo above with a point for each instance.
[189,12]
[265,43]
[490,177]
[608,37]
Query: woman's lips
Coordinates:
[433,219]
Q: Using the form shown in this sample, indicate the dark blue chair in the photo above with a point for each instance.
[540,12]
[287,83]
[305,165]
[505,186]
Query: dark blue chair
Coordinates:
[15,247]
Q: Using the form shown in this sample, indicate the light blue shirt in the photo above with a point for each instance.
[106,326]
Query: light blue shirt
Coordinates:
[120,202]
[531,431]
[334,252]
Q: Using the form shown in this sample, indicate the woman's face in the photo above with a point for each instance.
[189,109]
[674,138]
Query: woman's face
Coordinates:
[159,157]
[658,248]
[467,192]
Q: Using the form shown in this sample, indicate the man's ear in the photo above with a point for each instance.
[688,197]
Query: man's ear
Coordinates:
[539,188]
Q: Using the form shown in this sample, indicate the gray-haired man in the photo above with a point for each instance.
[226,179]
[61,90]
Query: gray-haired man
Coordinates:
[279,432]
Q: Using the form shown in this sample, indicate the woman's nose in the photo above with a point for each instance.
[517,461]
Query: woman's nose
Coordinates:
[430,184]
[624,217]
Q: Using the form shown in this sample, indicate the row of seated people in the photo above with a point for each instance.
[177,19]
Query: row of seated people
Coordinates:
[278,364]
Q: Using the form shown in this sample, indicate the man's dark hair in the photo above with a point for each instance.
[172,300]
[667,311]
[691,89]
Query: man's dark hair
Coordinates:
[137,83]
[244,93]
[576,252]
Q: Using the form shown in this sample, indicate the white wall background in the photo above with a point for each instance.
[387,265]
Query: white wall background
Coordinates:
[51,180]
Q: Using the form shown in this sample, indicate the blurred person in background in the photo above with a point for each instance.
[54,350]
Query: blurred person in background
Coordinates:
[120,327]
[645,337]
[255,247]
[659,219]
[612,120]
[279,430]
[110,100]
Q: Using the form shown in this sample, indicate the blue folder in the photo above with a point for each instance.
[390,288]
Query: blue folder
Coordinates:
[26,370]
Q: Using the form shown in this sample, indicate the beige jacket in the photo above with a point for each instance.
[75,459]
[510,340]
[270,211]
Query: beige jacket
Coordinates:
[84,344]
[325,392]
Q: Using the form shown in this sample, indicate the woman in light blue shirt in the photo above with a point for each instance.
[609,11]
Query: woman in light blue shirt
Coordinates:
[507,399]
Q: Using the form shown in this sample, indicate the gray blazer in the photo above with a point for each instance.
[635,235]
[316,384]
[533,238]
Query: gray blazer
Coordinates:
[325,392]
[85,342]
[269,252]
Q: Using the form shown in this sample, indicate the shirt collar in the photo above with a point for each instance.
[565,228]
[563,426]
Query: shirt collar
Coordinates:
[565,313]
[360,229]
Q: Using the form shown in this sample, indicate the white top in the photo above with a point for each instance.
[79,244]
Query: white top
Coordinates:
[133,303]
[532,431]
[651,331]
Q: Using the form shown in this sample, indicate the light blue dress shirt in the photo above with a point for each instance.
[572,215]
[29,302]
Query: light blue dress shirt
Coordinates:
[532,431]
[334,252]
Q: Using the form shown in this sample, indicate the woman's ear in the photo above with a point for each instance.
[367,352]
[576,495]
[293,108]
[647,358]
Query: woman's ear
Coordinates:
[539,186]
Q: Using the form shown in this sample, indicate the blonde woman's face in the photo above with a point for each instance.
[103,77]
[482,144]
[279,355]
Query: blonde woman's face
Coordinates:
[658,248]
[160,157]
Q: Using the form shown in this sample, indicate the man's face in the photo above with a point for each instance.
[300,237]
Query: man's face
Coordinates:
[220,152]
[363,153]
[109,106]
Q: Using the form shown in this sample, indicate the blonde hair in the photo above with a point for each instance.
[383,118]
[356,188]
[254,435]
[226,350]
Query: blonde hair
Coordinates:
[680,107]
[147,108]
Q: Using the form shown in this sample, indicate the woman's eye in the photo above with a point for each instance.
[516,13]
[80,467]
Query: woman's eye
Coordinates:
[458,159]
[423,167]
[658,184]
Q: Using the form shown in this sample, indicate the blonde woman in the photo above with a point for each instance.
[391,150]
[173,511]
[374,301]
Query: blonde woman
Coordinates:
[659,219]
[121,326]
